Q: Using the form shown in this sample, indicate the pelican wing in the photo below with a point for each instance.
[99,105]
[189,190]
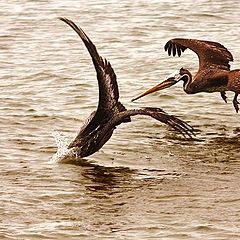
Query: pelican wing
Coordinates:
[108,88]
[92,142]
[158,114]
[108,103]
[209,53]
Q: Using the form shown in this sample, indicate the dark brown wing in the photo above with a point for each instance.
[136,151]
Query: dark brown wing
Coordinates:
[108,103]
[158,114]
[89,144]
[209,53]
[108,88]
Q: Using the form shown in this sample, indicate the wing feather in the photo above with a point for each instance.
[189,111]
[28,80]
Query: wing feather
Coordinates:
[209,53]
[108,88]
[108,103]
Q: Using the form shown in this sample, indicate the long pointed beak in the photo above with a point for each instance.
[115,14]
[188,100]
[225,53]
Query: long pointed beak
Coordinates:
[165,84]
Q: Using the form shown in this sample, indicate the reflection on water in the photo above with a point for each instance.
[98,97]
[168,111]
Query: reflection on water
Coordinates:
[146,182]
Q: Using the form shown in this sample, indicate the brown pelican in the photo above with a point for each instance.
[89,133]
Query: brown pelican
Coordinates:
[99,126]
[214,74]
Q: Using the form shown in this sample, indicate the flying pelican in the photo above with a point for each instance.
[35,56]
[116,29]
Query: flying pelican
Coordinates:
[99,126]
[214,74]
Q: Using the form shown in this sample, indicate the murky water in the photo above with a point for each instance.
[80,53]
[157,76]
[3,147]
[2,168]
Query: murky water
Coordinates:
[146,182]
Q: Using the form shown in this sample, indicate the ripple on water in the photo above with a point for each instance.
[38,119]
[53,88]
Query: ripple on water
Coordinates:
[146,182]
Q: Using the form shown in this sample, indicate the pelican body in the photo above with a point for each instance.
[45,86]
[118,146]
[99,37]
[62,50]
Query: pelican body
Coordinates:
[214,74]
[98,128]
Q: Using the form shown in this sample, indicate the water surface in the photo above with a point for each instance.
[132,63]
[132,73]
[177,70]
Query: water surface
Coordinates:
[147,182]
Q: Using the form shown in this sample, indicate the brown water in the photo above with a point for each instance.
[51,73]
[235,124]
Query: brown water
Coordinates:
[146,182]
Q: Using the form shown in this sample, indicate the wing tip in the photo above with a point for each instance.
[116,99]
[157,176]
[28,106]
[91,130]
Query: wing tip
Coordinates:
[64,19]
[173,48]
[79,30]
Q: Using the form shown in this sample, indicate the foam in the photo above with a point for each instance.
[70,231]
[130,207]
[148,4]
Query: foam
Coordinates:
[63,154]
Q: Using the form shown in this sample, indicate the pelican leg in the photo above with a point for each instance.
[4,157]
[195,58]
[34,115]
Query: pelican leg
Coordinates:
[235,102]
[224,97]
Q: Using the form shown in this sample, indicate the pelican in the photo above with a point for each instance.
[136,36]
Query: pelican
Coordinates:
[98,128]
[213,75]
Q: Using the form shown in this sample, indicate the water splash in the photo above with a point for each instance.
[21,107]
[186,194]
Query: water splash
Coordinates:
[63,154]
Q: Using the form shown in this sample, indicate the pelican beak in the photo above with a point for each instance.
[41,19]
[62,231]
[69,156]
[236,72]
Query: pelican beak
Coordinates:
[165,84]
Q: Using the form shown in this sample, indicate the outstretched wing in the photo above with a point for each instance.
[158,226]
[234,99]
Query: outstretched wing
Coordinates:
[209,53]
[91,143]
[108,89]
[158,114]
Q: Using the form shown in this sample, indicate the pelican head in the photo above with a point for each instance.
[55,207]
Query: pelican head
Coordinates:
[175,77]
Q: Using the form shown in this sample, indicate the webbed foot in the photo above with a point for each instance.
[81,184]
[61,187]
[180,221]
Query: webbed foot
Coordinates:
[235,102]
[224,97]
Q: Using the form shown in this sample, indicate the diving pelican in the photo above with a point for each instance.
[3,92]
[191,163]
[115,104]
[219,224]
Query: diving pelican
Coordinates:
[99,126]
[213,75]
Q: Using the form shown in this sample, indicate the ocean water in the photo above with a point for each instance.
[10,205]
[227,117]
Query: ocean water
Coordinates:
[147,182]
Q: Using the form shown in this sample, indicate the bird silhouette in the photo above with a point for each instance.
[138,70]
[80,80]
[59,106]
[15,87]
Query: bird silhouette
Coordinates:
[213,75]
[98,128]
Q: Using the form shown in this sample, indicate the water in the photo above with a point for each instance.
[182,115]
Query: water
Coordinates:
[146,182]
